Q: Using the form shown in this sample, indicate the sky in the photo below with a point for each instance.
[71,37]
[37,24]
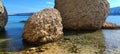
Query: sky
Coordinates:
[114,3]
[22,6]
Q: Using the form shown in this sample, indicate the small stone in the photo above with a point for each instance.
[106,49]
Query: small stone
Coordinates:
[33,48]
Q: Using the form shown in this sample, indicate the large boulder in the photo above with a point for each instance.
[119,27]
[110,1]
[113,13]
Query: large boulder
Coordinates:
[43,27]
[3,16]
[83,14]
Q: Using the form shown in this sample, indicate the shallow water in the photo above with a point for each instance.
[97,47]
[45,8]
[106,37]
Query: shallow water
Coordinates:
[112,40]
[11,38]
[112,37]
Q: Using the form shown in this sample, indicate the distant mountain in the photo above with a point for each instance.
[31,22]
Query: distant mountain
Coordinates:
[115,11]
[21,14]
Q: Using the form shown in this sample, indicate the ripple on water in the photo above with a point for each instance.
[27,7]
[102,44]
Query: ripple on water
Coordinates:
[112,39]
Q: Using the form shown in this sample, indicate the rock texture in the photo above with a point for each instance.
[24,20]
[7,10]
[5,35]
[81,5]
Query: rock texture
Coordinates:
[3,16]
[83,14]
[43,27]
[109,25]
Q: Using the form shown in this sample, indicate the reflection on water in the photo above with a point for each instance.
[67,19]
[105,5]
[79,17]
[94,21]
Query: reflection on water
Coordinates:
[76,42]
[10,43]
[92,42]
[102,41]
[3,40]
[11,39]
[112,39]
[15,36]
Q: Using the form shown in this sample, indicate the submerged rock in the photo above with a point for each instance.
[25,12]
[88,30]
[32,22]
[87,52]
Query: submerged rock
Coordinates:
[3,16]
[83,14]
[43,27]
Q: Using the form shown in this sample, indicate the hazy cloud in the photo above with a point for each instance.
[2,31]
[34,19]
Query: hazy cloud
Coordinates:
[49,2]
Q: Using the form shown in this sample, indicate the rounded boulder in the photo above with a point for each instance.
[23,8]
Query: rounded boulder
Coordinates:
[83,14]
[43,27]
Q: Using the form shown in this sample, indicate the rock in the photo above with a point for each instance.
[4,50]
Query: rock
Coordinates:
[109,25]
[83,14]
[3,16]
[23,21]
[43,27]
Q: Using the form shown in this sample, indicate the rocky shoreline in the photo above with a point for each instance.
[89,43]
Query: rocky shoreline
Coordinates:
[46,27]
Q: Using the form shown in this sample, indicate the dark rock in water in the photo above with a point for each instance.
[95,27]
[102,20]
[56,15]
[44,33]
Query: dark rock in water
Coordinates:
[83,14]
[43,27]
[2,31]
[109,25]
[3,16]
[23,21]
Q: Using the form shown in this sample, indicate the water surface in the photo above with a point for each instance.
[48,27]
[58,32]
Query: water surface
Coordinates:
[11,38]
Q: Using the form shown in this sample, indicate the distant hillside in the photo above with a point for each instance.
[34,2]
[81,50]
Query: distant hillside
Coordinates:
[21,14]
[115,11]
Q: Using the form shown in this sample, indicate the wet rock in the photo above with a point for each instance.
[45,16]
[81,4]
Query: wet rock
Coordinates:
[83,14]
[109,25]
[3,16]
[43,27]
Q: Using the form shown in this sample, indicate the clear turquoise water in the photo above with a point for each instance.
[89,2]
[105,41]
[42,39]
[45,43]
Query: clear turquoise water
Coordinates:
[11,39]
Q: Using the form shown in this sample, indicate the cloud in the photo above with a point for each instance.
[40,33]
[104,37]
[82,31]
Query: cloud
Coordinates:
[49,2]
